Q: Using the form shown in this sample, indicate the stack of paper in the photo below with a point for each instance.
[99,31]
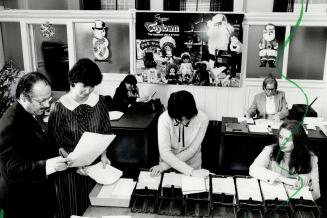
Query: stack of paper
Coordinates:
[172,178]
[115,115]
[258,128]
[146,180]
[117,194]
[191,185]
[105,176]
[303,192]
[248,188]
[89,147]
[223,185]
[273,191]
[247,120]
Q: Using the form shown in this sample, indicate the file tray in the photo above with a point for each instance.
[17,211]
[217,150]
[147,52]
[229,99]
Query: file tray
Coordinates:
[222,196]
[305,208]
[248,197]
[197,204]
[144,200]
[250,211]
[276,200]
[171,200]
[145,194]
[276,208]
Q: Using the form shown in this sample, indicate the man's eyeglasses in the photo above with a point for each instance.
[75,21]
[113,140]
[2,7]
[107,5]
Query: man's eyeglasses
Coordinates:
[42,101]
[270,90]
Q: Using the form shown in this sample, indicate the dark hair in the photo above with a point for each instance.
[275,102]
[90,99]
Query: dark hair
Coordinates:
[26,83]
[269,80]
[85,71]
[300,156]
[129,79]
[181,104]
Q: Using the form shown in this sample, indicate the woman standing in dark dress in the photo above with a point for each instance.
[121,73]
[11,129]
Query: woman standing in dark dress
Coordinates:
[76,112]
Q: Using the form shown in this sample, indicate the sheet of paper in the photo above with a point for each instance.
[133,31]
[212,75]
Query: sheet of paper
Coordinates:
[104,176]
[223,185]
[192,184]
[123,187]
[266,122]
[258,128]
[312,120]
[74,216]
[172,178]
[115,115]
[273,191]
[248,120]
[248,188]
[89,147]
[117,216]
[146,180]
[323,128]
[302,192]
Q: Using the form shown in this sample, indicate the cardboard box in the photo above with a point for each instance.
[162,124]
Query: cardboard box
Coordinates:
[115,195]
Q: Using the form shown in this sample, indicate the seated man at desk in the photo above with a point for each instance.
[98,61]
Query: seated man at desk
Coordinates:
[289,160]
[270,104]
[181,130]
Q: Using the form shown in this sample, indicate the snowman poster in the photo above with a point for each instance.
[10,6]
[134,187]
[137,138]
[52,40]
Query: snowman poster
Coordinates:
[101,45]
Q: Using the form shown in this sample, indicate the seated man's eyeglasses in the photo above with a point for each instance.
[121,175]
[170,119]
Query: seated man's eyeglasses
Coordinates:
[269,89]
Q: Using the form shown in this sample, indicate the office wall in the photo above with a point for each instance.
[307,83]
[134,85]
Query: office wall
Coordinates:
[218,102]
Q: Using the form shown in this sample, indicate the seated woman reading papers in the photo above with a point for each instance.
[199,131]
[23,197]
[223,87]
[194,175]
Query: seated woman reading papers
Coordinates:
[181,130]
[288,161]
[127,94]
[270,104]
[79,111]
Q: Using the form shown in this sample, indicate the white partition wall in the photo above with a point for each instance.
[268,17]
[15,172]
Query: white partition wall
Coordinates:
[215,101]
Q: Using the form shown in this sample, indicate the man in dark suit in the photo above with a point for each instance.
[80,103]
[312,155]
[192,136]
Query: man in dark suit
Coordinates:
[27,158]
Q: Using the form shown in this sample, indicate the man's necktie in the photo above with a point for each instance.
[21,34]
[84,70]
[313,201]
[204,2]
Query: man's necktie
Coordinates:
[42,124]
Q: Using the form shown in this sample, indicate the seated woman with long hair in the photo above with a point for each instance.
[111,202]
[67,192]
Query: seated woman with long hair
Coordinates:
[289,160]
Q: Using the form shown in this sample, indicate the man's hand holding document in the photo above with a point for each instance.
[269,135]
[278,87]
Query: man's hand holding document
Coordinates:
[89,147]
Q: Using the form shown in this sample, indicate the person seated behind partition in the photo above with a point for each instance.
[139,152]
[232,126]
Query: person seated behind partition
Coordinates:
[181,130]
[127,94]
[270,104]
[287,159]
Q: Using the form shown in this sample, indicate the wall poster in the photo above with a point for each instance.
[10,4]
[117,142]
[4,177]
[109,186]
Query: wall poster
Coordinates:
[189,48]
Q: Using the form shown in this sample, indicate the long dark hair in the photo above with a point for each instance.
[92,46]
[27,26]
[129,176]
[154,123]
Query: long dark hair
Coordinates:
[300,162]
[129,79]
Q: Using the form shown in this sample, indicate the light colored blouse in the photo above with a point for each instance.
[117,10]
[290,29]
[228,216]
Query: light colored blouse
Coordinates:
[268,170]
[180,145]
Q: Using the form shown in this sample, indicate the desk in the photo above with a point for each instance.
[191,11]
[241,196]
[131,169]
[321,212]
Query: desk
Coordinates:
[136,143]
[238,151]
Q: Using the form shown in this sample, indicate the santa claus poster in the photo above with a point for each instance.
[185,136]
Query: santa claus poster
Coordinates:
[202,49]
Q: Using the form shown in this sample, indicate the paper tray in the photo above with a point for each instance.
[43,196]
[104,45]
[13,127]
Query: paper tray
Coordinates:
[224,211]
[144,201]
[197,204]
